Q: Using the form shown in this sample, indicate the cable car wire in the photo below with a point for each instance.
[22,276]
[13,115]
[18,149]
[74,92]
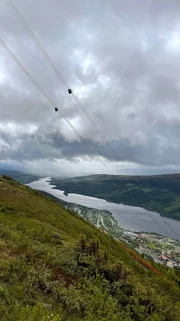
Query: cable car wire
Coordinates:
[34,38]
[13,56]
[50,61]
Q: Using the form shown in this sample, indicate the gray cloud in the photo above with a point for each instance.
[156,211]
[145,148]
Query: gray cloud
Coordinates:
[122,60]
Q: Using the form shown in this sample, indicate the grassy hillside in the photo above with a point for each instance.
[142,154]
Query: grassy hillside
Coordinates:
[158,193]
[55,266]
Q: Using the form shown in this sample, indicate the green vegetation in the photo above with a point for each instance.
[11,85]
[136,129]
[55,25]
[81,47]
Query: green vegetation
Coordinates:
[152,246]
[159,193]
[54,266]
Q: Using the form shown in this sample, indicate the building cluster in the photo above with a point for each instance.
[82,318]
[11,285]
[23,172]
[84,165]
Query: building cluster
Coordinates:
[160,248]
[155,247]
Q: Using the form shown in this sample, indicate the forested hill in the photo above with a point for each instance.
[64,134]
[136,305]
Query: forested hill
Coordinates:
[159,193]
[54,266]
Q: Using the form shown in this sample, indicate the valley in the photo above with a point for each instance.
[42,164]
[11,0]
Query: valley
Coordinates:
[156,247]
[160,193]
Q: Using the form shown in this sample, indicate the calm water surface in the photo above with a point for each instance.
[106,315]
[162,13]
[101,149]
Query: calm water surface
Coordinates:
[129,217]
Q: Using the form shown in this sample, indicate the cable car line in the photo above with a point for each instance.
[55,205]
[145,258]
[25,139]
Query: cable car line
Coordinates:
[35,39]
[13,56]
[50,61]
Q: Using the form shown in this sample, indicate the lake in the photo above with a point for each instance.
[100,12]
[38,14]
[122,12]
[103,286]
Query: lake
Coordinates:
[130,218]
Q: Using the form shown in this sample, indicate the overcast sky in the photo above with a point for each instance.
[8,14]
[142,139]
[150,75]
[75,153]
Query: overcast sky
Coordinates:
[121,58]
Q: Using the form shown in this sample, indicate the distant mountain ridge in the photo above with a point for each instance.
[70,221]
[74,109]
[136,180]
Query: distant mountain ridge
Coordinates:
[159,193]
[21,177]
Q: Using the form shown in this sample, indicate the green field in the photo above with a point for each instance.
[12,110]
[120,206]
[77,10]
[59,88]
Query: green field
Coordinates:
[54,266]
[157,193]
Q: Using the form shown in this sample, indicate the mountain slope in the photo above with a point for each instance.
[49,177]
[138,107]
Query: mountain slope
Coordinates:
[159,193]
[55,266]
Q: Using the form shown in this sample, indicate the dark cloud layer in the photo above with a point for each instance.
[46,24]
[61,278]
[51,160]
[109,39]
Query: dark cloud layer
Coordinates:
[122,60]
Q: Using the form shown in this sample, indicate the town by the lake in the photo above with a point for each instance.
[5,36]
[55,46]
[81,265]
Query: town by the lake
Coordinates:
[155,247]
